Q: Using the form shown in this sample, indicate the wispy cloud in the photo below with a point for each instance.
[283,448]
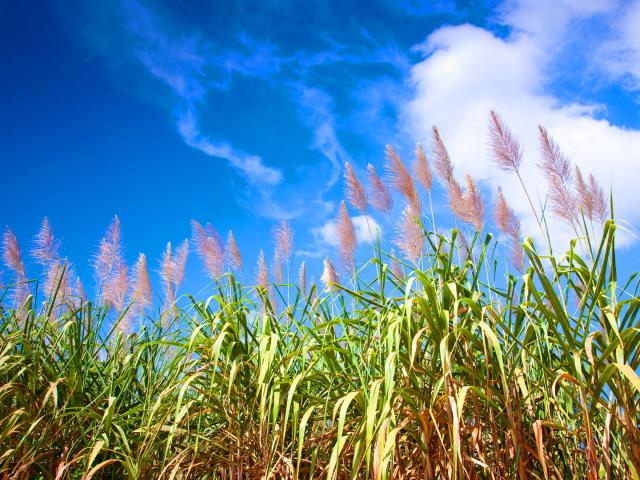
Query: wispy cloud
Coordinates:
[251,166]
[194,68]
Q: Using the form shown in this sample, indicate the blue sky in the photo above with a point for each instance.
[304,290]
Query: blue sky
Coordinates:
[242,113]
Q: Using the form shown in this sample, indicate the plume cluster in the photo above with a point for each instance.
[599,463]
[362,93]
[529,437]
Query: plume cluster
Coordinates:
[571,194]
[379,196]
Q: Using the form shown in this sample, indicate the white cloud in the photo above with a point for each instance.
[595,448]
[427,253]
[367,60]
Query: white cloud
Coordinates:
[620,55]
[366,228]
[467,71]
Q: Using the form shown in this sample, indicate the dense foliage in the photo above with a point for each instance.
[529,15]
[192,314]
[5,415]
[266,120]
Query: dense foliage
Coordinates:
[443,372]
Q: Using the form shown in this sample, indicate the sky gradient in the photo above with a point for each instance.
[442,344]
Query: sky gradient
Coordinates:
[243,113]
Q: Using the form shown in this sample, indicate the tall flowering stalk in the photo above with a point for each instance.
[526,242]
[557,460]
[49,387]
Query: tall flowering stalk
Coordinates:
[108,265]
[302,282]
[507,153]
[467,205]
[409,236]
[556,167]
[509,224]
[346,237]
[232,253]
[590,197]
[329,275]
[354,190]
[379,196]
[400,178]
[209,247]
[142,295]
[46,246]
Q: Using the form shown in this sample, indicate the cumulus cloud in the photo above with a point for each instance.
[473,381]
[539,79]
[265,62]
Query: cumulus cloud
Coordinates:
[366,227]
[468,71]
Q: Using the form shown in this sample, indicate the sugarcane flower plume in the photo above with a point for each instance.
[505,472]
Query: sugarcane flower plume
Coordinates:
[400,178]
[379,197]
[354,190]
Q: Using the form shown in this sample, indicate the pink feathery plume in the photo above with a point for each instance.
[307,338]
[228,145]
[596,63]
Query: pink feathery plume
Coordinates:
[422,169]
[119,287]
[600,208]
[45,248]
[473,204]
[509,224]
[180,263]
[106,263]
[409,237]
[400,178]
[584,197]
[278,275]
[463,246]
[442,163]
[303,279]
[232,253]
[209,248]
[456,198]
[283,239]
[590,197]
[329,275]
[379,196]
[313,289]
[263,276]
[467,204]
[505,149]
[166,276]
[557,169]
[13,260]
[57,285]
[354,190]
[80,292]
[11,255]
[346,237]
[141,294]
[53,280]
[396,268]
